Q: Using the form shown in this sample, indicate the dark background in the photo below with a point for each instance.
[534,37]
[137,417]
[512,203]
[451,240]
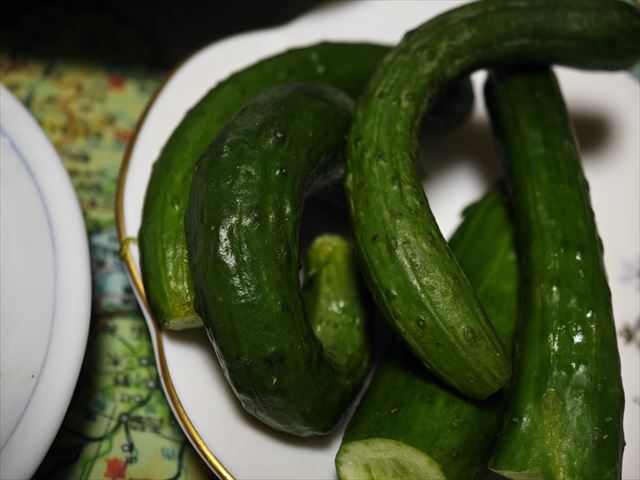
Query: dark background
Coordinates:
[128,34]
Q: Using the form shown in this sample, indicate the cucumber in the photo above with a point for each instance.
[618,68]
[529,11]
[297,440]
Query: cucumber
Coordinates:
[410,270]
[382,459]
[564,415]
[242,225]
[334,296]
[163,250]
[421,425]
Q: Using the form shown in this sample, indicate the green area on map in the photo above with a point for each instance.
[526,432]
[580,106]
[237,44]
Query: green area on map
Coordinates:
[119,424]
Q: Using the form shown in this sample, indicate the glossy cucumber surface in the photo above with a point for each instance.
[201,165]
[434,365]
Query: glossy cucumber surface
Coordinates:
[334,296]
[406,409]
[410,270]
[163,248]
[242,226]
[564,414]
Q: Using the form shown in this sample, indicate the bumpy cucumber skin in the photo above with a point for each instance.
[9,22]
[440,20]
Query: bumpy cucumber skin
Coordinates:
[334,295]
[410,270]
[408,404]
[564,416]
[163,248]
[242,226]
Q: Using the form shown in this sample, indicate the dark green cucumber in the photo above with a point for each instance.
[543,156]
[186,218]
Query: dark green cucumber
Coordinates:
[423,428]
[163,250]
[242,225]
[410,270]
[564,416]
[333,295]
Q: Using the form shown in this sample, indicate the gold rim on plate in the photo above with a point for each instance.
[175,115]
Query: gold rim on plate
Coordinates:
[154,328]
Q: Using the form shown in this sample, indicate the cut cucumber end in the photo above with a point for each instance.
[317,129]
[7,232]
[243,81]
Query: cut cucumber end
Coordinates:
[182,323]
[384,459]
[518,475]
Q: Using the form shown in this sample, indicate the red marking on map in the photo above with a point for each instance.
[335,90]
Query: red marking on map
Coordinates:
[115,82]
[115,468]
[122,136]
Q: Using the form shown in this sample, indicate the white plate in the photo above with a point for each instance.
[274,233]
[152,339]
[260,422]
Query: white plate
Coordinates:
[45,291]
[606,113]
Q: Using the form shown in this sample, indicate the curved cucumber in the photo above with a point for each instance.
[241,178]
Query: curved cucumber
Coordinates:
[566,399]
[406,412]
[163,251]
[163,248]
[410,270]
[242,226]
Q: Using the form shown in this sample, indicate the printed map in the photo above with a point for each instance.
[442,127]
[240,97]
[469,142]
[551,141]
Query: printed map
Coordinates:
[119,425]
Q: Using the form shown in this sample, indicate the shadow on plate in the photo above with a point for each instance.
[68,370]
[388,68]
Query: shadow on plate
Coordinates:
[474,141]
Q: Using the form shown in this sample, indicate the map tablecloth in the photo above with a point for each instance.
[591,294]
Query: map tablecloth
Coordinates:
[119,425]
